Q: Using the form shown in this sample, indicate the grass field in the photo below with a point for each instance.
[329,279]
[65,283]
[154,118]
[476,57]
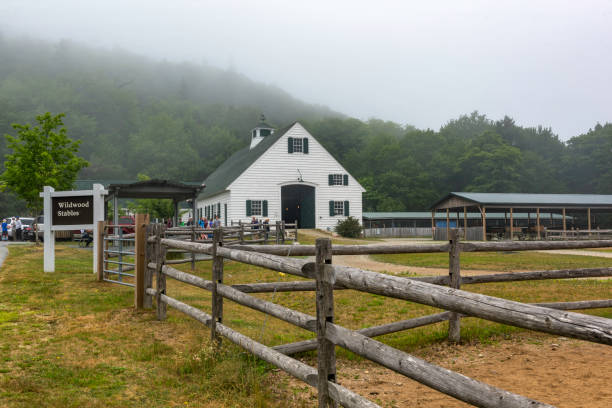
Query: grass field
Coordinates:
[69,341]
[499,261]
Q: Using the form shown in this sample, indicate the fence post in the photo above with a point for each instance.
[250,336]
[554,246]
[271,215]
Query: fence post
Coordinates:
[217,277]
[140,245]
[147,302]
[278,226]
[241,232]
[160,258]
[193,238]
[454,271]
[296,232]
[100,249]
[283,231]
[326,354]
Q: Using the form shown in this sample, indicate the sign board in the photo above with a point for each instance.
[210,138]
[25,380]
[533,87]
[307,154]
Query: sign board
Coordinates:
[72,210]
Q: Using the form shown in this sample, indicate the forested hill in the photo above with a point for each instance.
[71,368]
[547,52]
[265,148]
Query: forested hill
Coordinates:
[135,115]
[180,121]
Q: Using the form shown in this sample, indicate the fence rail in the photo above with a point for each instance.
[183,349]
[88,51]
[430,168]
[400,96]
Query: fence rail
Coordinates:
[323,277]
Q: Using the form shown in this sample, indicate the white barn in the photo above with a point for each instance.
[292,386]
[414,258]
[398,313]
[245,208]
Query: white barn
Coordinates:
[285,175]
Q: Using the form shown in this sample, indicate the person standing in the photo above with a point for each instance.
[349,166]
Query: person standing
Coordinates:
[18,229]
[4,230]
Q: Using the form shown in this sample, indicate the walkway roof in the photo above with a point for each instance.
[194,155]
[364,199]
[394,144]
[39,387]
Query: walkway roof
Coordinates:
[155,189]
[515,200]
[426,215]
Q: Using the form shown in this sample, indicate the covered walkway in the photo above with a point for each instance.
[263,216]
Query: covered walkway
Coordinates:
[587,211]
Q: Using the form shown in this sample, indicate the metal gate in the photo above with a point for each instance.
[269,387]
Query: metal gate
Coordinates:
[119,245]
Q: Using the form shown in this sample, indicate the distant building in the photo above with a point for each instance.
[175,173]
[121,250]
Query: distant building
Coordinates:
[286,175]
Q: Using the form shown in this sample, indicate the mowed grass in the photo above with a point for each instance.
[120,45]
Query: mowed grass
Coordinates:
[67,340]
[499,261]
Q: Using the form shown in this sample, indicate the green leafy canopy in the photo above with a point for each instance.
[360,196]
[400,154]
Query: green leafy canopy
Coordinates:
[41,156]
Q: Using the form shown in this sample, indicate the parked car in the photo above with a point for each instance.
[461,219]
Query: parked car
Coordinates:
[127,222]
[26,226]
[40,221]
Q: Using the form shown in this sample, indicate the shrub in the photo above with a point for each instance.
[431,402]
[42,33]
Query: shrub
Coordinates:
[349,228]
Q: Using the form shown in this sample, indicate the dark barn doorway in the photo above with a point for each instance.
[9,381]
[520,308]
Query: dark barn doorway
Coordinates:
[298,201]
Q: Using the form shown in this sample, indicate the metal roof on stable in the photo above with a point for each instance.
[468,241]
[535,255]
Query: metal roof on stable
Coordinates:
[516,200]
[155,189]
[425,215]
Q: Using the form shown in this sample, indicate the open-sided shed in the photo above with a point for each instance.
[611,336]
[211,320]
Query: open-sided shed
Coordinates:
[465,202]
[155,189]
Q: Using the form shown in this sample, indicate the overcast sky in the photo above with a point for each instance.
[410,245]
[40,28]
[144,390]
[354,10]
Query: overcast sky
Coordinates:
[420,63]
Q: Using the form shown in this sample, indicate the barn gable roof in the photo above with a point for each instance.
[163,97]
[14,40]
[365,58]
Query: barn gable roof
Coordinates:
[232,168]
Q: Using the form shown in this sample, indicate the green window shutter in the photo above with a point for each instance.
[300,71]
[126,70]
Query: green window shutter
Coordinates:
[330,179]
[345,179]
[219,209]
[305,144]
[290,144]
[331,208]
[248,208]
[264,208]
[346,209]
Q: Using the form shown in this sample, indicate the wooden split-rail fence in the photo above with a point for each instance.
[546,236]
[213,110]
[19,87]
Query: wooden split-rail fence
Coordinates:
[153,243]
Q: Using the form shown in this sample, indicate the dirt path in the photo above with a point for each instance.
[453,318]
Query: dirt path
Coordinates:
[600,254]
[366,262]
[563,372]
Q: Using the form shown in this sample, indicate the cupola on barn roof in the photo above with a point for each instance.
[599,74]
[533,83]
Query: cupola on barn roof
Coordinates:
[260,131]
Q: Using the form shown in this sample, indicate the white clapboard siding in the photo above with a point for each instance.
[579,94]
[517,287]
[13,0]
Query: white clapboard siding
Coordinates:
[222,198]
[276,167]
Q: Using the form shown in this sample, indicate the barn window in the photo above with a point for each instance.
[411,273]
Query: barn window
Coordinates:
[335,179]
[338,207]
[298,145]
[256,207]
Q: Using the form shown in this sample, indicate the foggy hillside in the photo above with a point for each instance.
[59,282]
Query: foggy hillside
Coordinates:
[180,121]
[116,101]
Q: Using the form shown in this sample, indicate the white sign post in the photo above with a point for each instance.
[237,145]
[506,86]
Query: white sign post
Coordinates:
[71,210]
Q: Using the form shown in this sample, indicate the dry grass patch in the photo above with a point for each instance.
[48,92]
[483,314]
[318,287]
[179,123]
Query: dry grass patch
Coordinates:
[67,340]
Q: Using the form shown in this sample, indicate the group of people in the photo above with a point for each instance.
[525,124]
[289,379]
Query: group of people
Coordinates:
[265,225]
[209,224]
[16,227]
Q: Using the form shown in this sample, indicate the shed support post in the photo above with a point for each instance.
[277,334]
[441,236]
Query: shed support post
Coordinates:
[447,223]
[589,220]
[433,225]
[217,278]
[511,224]
[139,260]
[483,212]
[454,271]
[564,225]
[326,354]
[175,223]
[465,222]
[538,223]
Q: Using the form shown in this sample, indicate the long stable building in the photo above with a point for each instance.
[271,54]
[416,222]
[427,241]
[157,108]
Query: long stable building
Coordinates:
[582,207]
